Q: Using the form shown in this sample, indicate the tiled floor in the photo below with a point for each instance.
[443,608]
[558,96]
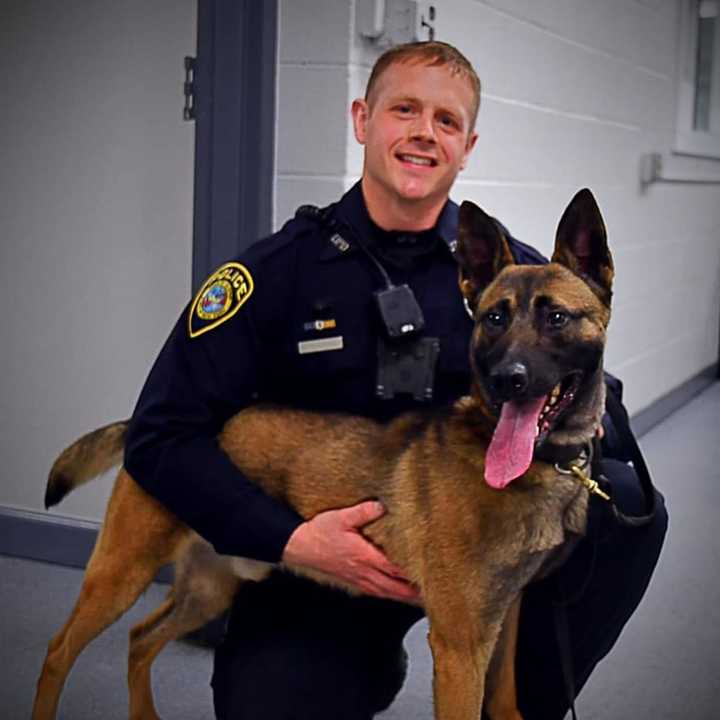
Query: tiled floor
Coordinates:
[665,666]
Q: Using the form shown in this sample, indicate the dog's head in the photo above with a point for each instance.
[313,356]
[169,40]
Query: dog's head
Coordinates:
[537,346]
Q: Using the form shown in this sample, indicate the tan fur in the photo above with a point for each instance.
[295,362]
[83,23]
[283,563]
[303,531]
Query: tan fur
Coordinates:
[469,548]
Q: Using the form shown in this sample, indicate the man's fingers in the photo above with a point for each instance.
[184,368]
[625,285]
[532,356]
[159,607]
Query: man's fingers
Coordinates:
[332,542]
[384,586]
[381,562]
[388,579]
[362,513]
[372,555]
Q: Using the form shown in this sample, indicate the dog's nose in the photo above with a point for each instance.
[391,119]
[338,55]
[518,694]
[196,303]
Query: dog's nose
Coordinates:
[509,381]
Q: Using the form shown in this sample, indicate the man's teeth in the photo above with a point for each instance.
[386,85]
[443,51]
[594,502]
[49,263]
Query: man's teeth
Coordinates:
[416,160]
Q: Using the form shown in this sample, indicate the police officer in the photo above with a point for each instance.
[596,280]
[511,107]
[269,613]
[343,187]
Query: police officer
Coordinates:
[295,320]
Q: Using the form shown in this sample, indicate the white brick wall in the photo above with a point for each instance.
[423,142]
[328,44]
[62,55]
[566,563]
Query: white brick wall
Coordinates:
[313,103]
[574,92]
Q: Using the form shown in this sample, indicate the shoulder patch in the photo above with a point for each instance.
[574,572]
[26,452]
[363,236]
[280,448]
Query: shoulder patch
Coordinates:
[220,297]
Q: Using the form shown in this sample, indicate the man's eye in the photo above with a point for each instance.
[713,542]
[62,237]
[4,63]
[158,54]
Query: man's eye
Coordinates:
[557,319]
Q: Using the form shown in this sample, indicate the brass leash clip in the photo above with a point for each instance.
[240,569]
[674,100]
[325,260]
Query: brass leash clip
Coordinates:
[578,469]
[592,485]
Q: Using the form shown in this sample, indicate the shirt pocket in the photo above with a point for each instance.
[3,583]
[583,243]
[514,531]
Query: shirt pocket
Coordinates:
[332,334]
[331,353]
[331,367]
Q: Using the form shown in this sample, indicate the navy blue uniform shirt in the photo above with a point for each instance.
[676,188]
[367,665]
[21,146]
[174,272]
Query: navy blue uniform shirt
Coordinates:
[299,288]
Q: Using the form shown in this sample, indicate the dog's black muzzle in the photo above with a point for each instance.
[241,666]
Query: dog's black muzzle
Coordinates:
[509,381]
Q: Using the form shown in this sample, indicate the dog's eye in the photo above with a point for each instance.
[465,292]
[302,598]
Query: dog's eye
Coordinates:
[556,319]
[494,319]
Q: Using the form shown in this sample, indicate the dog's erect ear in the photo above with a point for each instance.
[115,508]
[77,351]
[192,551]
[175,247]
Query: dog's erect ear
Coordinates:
[581,244]
[482,251]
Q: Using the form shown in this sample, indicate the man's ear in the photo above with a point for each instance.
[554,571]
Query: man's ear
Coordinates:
[482,251]
[360,111]
[581,244]
[469,146]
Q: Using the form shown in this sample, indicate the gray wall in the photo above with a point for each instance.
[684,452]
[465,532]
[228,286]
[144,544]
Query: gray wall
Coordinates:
[95,220]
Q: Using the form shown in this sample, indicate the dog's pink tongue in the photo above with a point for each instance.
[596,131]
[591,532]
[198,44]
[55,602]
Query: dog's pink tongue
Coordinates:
[511,448]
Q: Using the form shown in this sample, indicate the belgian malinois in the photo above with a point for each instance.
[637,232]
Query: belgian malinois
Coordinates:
[473,514]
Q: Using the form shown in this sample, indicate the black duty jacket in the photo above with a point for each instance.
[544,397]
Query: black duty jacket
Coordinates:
[299,285]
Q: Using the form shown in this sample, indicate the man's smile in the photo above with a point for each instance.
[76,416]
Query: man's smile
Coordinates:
[419,160]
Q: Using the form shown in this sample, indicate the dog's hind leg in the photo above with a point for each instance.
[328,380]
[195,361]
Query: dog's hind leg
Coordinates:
[501,691]
[201,592]
[105,595]
[140,658]
[137,538]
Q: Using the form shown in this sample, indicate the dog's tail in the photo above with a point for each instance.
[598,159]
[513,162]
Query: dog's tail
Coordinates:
[88,457]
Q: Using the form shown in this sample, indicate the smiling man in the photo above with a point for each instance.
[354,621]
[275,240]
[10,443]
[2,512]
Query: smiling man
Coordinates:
[417,124]
[306,331]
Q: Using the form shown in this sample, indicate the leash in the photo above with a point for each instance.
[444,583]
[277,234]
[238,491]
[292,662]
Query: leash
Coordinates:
[579,468]
[620,420]
[562,631]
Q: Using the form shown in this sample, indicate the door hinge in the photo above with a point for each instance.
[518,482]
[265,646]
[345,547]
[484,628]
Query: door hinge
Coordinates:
[189,88]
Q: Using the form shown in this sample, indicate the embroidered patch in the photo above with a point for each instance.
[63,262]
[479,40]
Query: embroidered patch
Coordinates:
[216,300]
[220,297]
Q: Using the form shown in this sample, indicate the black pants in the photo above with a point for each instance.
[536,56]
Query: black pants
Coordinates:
[295,650]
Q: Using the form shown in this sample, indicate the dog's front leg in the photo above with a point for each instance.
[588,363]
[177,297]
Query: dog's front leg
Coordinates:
[457,684]
[501,692]
[461,647]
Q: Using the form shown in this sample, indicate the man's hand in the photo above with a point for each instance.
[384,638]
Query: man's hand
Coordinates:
[331,542]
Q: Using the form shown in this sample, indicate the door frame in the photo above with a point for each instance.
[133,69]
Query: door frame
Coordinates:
[235,77]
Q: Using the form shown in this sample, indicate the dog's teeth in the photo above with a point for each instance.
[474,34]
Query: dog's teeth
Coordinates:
[546,410]
[556,391]
[553,399]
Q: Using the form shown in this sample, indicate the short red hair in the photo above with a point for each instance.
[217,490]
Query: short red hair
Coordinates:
[432,53]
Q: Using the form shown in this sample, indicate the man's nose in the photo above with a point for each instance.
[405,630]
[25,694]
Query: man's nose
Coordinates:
[423,128]
[510,381]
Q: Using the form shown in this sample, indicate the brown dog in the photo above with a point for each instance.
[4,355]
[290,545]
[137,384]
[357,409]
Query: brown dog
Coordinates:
[470,543]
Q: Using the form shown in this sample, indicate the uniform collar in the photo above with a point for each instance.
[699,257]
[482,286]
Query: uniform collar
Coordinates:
[352,212]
